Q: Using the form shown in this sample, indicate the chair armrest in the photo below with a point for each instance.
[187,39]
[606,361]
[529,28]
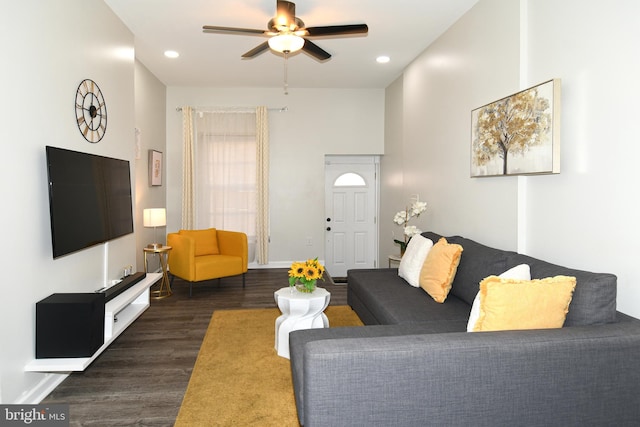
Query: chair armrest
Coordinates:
[234,243]
[182,256]
[570,376]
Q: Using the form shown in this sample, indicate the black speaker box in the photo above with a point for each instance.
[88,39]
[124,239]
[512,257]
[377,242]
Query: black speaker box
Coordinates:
[69,325]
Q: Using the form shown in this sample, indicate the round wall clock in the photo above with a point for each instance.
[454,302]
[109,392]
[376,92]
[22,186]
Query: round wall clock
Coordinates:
[91,111]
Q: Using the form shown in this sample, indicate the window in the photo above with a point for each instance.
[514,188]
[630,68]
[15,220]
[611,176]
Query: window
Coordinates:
[350,179]
[225,153]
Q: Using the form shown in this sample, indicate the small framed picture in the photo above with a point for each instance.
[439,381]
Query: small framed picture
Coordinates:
[155,168]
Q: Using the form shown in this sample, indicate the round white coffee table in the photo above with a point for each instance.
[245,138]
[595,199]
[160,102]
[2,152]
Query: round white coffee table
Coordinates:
[299,311]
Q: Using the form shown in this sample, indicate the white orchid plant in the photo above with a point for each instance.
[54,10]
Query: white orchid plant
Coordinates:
[402,218]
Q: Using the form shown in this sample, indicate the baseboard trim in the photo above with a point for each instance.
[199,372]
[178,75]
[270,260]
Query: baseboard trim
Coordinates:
[276,264]
[279,264]
[41,390]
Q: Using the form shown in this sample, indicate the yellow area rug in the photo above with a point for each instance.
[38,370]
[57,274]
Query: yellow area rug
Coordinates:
[238,378]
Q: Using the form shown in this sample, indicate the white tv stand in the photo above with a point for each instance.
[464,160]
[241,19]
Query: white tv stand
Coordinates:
[120,312]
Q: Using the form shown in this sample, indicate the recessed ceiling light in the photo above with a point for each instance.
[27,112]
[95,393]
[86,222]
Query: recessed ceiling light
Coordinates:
[382,59]
[171,54]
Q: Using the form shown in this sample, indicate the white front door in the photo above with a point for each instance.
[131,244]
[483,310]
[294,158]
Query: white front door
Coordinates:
[351,239]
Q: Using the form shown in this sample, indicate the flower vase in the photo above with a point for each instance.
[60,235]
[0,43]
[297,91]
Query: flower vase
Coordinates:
[306,288]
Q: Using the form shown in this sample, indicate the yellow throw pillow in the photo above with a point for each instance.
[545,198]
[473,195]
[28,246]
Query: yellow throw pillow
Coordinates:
[439,269]
[508,304]
[206,241]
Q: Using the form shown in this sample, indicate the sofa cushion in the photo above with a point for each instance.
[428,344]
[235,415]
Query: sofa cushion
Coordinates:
[215,266]
[519,272]
[439,269]
[298,341]
[511,304]
[380,296]
[413,258]
[594,299]
[477,262]
[206,241]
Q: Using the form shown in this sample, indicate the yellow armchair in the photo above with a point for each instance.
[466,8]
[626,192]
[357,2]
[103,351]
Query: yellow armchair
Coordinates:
[207,254]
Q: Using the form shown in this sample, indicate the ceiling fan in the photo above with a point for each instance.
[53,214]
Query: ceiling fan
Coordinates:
[287,33]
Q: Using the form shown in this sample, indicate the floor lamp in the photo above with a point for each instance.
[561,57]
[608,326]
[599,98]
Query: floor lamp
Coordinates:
[155,217]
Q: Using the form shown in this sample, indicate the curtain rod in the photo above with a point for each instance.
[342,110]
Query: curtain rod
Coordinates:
[220,109]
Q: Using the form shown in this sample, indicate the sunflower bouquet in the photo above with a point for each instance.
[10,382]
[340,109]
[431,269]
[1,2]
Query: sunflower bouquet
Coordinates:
[306,274]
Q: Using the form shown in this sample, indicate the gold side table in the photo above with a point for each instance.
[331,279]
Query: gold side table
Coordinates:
[163,253]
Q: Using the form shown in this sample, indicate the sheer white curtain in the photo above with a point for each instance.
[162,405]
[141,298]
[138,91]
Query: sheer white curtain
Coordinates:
[225,168]
[226,173]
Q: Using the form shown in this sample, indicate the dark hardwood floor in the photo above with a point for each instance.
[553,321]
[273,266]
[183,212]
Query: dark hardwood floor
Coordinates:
[140,379]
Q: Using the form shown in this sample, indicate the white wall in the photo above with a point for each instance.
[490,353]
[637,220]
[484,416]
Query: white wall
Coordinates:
[150,118]
[584,217]
[318,122]
[475,61]
[48,48]
[587,216]
[393,197]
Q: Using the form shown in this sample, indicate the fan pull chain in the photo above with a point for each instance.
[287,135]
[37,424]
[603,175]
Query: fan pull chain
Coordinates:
[286,72]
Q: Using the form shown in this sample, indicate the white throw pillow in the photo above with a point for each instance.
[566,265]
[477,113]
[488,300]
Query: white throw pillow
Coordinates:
[519,272]
[413,258]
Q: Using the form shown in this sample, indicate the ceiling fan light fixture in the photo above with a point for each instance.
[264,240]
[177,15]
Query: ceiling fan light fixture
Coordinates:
[288,43]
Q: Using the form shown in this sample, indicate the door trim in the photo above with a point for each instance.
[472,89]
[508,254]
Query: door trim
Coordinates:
[331,159]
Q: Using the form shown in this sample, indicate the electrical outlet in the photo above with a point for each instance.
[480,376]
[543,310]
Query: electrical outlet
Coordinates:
[309,241]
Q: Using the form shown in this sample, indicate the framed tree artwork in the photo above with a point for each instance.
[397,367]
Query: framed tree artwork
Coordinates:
[155,168]
[519,134]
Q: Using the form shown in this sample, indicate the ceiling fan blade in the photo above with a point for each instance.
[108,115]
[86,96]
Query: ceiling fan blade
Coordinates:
[285,13]
[337,30]
[257,50]
[216,29]
[315,50]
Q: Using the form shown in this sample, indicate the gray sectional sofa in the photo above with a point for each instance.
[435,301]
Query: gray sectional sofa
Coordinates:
[414,364]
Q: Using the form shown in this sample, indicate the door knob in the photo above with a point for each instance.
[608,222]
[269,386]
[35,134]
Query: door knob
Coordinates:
[328,228]
[328,219]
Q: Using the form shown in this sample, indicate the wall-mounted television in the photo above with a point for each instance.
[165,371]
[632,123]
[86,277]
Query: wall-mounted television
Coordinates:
[89,199]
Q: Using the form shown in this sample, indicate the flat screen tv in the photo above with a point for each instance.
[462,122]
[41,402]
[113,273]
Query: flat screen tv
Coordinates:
[89,199]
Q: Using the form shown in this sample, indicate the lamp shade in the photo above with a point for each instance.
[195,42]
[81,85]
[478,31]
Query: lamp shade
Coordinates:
[154,217]
[286,43]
